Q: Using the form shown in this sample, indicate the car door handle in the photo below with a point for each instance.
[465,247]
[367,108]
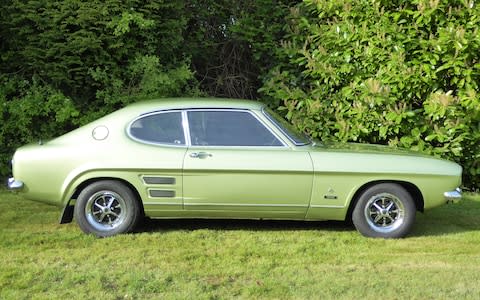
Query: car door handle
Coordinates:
[200,155]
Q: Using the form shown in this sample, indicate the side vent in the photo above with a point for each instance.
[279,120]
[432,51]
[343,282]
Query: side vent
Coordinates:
[158,180]
[162,194]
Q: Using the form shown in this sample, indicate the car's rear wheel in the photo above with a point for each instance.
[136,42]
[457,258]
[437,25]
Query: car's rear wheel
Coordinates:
[384,210]
[106,208]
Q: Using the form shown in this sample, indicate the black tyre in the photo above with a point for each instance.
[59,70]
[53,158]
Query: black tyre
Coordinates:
[107,208]
[384,210]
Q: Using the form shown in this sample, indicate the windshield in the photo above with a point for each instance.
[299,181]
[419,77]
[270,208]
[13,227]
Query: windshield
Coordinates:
[296,137]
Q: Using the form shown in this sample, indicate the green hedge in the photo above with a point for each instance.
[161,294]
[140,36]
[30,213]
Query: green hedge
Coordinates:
[64,63]
[399,73]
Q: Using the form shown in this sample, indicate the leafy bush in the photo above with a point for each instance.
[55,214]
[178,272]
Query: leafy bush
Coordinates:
[376,71]
[144,78]
[31,112]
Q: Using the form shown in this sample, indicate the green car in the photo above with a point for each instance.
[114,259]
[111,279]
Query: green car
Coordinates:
[235,159]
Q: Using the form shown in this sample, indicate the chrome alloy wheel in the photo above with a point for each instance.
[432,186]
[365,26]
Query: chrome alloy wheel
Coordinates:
[384,212]
[105,210]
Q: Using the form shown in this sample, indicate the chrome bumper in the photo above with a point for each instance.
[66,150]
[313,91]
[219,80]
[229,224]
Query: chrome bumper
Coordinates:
[14,185]
[453,196]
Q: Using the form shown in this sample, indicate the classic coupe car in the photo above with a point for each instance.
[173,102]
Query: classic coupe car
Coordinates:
[211,158]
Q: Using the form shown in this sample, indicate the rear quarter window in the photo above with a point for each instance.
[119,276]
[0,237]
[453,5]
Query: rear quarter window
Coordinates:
[159,128]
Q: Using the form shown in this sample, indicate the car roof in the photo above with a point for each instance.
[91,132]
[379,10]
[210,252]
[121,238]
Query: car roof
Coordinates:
[194,103]
[140,108]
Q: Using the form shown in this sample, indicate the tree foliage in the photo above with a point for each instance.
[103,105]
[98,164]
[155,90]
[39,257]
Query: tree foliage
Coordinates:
[404,74]
[67,44]
[232,43]
[64,63]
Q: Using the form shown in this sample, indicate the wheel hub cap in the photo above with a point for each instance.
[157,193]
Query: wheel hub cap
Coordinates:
[105,210]
[384,212]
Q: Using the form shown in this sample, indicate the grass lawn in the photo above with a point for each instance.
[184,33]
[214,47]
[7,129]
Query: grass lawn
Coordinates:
[210,259]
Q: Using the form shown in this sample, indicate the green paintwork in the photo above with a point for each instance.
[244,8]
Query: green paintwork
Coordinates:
[312,182]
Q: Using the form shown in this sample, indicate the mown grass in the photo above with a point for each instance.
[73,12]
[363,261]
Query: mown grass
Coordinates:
[213,259]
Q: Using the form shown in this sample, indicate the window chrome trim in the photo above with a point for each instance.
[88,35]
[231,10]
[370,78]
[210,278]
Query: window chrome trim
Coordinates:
[186,128]
[145,115]
[265,125]
[282,130]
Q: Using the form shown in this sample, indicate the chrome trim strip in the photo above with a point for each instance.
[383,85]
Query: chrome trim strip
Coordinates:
[453,196]
[186,128]
[269,129]
[282,130]
[327,206]
[243,205]
[164,204]
[14,185]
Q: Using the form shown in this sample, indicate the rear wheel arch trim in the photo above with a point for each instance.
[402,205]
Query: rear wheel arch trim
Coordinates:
[412,189]
[67,213]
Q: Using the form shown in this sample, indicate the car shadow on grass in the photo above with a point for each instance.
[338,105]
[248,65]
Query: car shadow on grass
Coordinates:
[443,220]
[448,219]
[162,225]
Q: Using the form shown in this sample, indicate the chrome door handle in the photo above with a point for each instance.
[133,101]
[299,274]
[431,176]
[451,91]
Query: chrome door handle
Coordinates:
[200,155]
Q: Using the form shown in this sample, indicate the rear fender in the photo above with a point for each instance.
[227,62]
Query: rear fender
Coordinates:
[74,189]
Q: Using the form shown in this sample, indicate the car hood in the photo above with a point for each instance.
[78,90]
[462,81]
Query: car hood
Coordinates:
[365,148]
[367,158]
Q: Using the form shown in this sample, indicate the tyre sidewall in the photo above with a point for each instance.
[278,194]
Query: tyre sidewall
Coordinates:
[132,209]
[359,218]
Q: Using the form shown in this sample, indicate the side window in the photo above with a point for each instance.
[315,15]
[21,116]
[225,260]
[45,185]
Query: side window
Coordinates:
[228,128]
[163,128]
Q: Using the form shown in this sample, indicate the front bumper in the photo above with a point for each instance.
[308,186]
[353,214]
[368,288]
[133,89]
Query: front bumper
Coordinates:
[453,196]
[14,185]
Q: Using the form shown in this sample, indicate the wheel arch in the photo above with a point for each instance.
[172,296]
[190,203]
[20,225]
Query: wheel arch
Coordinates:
[67,214]
[411,188]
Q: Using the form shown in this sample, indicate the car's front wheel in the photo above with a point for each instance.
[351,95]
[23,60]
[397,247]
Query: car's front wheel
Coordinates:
[106,208]
[384,210]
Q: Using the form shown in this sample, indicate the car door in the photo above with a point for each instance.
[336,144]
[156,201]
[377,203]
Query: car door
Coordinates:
[237,167]
[158,158]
